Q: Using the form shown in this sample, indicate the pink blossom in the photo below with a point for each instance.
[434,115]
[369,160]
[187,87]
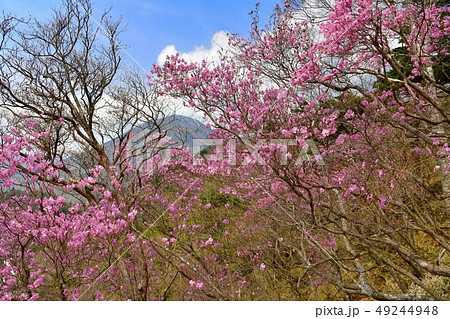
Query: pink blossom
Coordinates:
[199,285]
[349,114]
[8,182]
[207,243]
[165,241]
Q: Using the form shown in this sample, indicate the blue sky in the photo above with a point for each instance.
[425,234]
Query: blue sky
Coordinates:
[153,25]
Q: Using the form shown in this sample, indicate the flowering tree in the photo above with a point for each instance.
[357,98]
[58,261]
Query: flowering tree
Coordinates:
[361,221]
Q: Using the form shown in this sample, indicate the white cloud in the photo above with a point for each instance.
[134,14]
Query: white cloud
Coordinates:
[212,54]
[218,42]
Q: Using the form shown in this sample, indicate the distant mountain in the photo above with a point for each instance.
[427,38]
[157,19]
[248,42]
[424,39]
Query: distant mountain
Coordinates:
[179,129]
[182,130]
